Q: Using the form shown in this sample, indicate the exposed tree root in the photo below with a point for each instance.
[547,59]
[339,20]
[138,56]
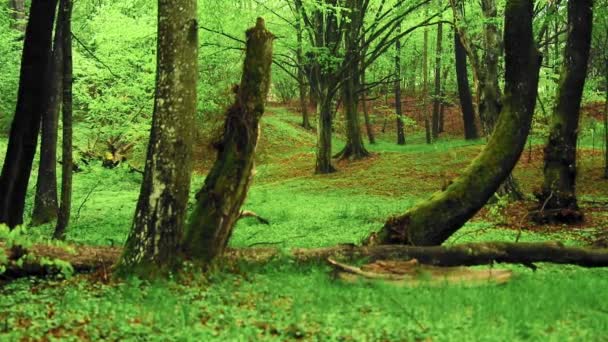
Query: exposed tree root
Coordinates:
[90,258]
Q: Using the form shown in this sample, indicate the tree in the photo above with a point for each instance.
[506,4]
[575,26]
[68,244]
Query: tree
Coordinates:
[67,167]
[218,203]
[433,221]
[398,103]
[557,198]
[154,241]
[45,202]
[351,87]
[437,97]
[464,92]
[18,13]
[26,122]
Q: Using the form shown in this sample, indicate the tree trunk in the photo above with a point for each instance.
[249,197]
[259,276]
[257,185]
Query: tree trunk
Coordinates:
[152,247]
[425,91]
[219,202]
[354,149]
[65,207]
[368,123]
[489,90]
[301,74]
[606,123]
[100,259]
[324,126]
[17,8]
[26,122]
[433,221]
[464,92]
[45,202]
[437,98]
[398,104]
[557,199]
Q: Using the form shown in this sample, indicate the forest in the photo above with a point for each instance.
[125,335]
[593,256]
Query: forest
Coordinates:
[317,170]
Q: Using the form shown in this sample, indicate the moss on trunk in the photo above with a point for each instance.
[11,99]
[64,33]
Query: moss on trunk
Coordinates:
[152,247]
[433,221]
[218,203]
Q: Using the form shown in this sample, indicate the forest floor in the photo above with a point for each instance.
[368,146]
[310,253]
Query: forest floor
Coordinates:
[282,300]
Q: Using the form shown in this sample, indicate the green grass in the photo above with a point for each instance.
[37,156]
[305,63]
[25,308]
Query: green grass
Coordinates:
[282,300]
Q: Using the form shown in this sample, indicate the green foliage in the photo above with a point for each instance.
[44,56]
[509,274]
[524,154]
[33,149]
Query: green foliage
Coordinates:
[10,55]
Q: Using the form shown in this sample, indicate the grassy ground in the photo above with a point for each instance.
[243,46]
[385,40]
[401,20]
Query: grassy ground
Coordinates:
[283,301]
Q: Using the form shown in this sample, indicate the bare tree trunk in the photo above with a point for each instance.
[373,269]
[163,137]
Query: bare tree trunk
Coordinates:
[67,168]
[219,202]
[398,104]
[557,199]
[433,221]
[26,122]
[45,202]
[17,8]
[301,74]
[152,247]
[606,123]
[425,91]
[437,98]
[351,86]
[464,92]
[368,123]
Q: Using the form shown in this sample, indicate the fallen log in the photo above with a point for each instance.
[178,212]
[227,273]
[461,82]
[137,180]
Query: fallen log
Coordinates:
[92,258]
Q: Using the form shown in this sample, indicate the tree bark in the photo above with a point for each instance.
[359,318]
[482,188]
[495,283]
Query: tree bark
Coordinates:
[368,123]
[26,122]
[398,103]
[17,8]
[45,202]
[219,202]
[425,92]
[351,87]
[433,221]
[606,121]
[301,74]
[437,98]
[489,90]
[152,247]
[65,207]
[557,198]
[89,258]
[464,92]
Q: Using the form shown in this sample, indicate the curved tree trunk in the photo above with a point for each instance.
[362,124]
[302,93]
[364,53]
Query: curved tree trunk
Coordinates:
[153,244]
[218,204]
[464,92]
[557,199]
[26,122]
[45,202]
[433,221]
[67,167]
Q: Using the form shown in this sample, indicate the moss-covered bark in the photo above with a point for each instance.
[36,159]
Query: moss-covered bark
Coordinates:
[218,203]
[153,244]
[433,221]
[557,198]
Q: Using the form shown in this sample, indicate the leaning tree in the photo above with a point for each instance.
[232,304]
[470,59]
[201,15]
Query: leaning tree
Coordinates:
[219,201]
[433,221]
